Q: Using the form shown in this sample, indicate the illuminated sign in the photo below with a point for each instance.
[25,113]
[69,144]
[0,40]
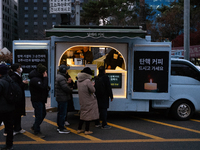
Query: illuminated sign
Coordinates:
[151,71]
[115,79]
[59,6]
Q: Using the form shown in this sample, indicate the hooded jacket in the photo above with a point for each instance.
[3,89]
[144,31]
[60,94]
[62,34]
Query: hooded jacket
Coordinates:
[63,91]
[38,86]
[20,106]
[4,85]
[88,102]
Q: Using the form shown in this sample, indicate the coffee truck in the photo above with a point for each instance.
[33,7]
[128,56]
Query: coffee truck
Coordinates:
[143,76]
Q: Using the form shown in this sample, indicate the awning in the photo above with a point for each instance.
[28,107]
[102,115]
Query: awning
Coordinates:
[96,31]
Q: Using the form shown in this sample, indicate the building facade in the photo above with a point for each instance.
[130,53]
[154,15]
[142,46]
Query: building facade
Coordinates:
[8,23]
[35,18]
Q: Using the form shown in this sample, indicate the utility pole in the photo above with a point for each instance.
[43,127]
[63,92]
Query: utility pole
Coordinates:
[187,29]
[77,15]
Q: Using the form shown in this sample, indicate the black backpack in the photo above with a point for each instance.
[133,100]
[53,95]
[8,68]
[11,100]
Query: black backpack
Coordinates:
[14,93]
[100,89]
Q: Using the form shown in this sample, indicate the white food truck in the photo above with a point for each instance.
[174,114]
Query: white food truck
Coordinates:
[143,75]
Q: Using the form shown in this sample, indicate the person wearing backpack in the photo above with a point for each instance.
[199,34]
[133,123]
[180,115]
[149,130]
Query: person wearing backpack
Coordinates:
[103,93]
[39,89]
[6,109]
[15,74]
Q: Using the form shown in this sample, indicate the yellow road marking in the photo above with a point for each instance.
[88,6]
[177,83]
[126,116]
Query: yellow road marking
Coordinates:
[195,120]
[2,127]
[134,131]
[32,136]
[170,125]
[106,141]
[74,131]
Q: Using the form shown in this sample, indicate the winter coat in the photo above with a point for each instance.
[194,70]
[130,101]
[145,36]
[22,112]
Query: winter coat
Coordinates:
[20,106]
[63,91]
[4,85]
[88,103]
[38,86]
[103,102]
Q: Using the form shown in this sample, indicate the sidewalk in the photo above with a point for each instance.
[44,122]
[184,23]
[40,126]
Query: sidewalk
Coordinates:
[29,107]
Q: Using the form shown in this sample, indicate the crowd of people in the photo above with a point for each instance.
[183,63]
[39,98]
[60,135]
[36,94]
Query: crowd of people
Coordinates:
[92,106]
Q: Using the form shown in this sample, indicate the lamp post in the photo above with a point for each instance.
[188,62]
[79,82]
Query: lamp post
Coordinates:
[187,29]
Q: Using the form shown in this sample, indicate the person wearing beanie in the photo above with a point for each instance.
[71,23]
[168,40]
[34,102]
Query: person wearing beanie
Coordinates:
[15,74]
[88,102]
[39,89]
[63,95]
[6,109]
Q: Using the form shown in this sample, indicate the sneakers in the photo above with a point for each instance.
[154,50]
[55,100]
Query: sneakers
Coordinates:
[2,124]
[4,134]
[7,148]
[67,123]
[21,131]
[88,132]
[63,131]
[98,125]
[106,127]
[39,134]
[80,131]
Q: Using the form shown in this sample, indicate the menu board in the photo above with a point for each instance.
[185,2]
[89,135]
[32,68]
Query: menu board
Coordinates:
[115,79]
[151,71]
[29,59]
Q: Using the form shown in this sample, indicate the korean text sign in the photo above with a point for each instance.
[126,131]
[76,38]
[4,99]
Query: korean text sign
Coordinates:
[151,70]
[59,6]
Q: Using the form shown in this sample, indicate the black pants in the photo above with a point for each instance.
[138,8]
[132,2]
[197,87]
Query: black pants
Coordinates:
[103,116]
[87,125]
[7,118]
[17,122]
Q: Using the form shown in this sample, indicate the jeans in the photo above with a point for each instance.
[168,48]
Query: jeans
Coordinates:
[7,118]
[40,113]
[62,111]
[17,123]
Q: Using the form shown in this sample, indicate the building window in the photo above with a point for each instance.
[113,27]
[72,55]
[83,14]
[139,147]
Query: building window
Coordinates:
[53,16]
[44,16]
[44,23]
[35,1]
[44,1]
[35,23]
[53,23]
[44,8]
[35,15]
[25,23]
[26,16]
[15,7]
[26,30]
[35,8]
[25,1]
[25,8]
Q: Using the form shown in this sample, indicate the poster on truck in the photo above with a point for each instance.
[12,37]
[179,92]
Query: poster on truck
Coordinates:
[151,71]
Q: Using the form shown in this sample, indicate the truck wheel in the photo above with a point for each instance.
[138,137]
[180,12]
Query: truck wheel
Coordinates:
[182,110]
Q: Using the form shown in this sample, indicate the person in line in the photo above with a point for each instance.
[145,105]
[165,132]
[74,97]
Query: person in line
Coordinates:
[6,109]
[63,95]
[87,100]
[103,98]
[87,55]
[15,74]
[39,89]
[70,105]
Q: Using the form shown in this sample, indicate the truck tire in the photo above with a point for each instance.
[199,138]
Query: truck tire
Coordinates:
[182,110]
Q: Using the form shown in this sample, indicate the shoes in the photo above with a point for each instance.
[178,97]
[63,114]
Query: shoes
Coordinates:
[21,131]
[98,125]
[40,135]
[88,132]
[67,123]
[63,131]
[106,127]
[2,124]
[80,131]
[4,134]
[7,148]
[32,129]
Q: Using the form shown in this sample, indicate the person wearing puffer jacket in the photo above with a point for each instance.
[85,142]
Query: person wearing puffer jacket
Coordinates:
[63,95]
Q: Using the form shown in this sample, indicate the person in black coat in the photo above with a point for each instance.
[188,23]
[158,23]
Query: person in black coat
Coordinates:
[6,109]
[103,100]
[39,89]
[15,74]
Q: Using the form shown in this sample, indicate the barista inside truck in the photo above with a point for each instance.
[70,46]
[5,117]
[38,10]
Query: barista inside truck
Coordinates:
[113,59]
[87,55]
